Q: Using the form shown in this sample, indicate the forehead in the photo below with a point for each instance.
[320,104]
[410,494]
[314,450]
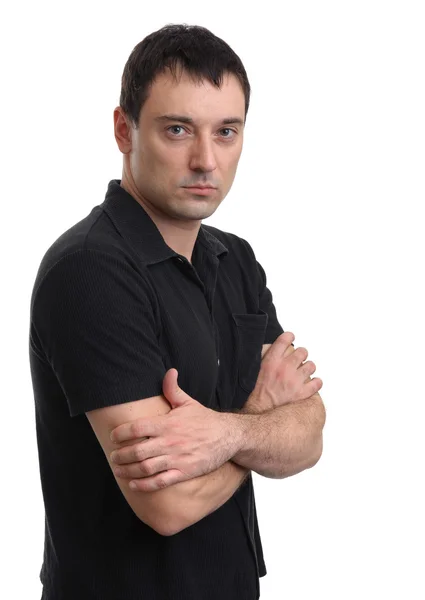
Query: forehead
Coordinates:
[201,100]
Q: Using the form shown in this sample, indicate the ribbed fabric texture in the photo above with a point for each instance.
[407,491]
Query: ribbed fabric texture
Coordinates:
[113,308]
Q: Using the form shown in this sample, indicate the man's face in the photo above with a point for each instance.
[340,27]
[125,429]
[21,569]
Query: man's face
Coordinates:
[169,154]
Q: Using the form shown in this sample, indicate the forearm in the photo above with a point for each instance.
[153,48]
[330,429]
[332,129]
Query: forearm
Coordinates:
[203,495]
[254,407]
[282,441]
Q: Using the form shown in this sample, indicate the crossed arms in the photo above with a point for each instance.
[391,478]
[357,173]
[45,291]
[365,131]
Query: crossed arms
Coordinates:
[186,460]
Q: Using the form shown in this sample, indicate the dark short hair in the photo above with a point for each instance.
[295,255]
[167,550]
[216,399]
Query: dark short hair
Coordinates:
[199,52]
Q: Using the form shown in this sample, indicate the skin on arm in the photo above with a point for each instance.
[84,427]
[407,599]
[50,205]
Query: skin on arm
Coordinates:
[173,508]
[294,419]
[283,441]
[283,436]
[256,404]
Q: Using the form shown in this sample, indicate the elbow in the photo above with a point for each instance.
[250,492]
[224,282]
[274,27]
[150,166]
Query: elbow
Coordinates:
[162,527]
[166,524]
[170,510]
[164,530]
[171,528]
[322,418]
[160,521]
[307,461]
[315,456]
[317,444]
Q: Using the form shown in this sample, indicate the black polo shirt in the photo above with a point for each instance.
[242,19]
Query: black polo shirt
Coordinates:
[112,309]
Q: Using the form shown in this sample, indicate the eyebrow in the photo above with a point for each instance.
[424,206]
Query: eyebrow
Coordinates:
[189,120]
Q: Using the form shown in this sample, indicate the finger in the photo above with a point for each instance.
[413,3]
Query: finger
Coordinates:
[159,481]
[289,350]
[172,391]
[170,384]
[146,468]
[281,343]
[136,452]
[144,427]
[307,369]
[298,356]
[313,386]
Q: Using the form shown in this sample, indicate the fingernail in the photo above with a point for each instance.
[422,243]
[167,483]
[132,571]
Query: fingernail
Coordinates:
[133,485]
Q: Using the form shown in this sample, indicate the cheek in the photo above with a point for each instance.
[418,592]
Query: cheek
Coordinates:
[232,165]
[163,173]
[232,156]
[170,161]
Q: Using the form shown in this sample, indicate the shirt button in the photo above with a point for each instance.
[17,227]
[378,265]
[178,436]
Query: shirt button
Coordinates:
[218,362]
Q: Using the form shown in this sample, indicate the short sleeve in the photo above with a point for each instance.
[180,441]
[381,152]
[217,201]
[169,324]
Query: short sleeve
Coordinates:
[98,328]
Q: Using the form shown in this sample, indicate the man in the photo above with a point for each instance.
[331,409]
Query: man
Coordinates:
[147,481]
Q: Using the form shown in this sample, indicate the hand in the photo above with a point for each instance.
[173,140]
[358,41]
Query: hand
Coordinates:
[190,441]
[284,376]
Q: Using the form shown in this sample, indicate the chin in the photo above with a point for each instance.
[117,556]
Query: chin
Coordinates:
[197,209]
[194,215]
[196,212]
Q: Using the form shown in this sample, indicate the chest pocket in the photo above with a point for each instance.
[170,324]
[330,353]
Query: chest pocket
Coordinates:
[250,330]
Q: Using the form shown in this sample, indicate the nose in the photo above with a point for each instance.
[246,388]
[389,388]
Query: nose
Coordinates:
[202,155]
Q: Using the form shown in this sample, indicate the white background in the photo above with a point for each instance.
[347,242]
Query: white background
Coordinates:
[329,192]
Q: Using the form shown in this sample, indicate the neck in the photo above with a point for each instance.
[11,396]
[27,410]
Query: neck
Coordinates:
[179,235]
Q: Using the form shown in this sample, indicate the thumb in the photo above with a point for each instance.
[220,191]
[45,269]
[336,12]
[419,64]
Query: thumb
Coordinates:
[172,391]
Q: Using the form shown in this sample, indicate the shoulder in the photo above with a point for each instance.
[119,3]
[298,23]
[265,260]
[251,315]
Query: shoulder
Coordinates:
[91,242]
[88,261]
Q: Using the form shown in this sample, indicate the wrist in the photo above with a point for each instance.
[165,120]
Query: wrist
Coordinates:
[255,406]
[235,431]
[252,408]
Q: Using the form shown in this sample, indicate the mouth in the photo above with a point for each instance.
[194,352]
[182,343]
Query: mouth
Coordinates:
[200,187]
[201,190]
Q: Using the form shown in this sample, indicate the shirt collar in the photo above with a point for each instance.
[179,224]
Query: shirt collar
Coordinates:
[137,227]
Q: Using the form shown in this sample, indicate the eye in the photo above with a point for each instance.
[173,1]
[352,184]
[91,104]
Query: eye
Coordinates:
[230,131]
[174,127]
